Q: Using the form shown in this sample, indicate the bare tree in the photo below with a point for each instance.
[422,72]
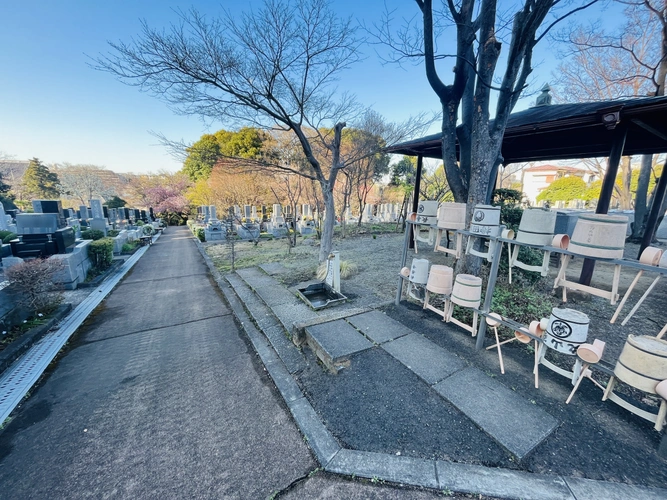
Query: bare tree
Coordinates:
[83,182]
[274,67]
[479,32]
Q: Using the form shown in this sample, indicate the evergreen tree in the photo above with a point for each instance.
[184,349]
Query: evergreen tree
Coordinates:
[39,182]
[116,202]
[5,198]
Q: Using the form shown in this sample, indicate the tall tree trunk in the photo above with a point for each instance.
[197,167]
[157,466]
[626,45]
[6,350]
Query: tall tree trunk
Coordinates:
[327,232]
[625,195]
[641,206]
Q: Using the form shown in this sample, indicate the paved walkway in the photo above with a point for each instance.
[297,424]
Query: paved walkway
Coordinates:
[159,397]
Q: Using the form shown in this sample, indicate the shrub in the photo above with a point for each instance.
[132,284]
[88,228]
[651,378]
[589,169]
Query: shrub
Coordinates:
[92,234]
[7,236]
[139,223]
[147,230]
[200,234]
[33,282]
[509,201]
[112,233]
[127,247]
[101,253]
[521,303]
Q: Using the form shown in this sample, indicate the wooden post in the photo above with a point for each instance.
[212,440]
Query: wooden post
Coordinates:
[404,257]
[415,194]
[620,133]
[655,209]
[488,295]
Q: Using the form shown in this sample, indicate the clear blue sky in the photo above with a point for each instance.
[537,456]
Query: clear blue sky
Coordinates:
[54,107]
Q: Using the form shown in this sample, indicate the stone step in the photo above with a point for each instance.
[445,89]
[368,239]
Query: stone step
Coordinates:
[334,342]
[270,326]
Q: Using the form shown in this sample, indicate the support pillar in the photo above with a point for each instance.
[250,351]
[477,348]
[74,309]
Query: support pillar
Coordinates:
[415,195]
[620,133]
[654,214]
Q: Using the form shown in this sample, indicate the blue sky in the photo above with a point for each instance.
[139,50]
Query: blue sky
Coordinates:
[55,107]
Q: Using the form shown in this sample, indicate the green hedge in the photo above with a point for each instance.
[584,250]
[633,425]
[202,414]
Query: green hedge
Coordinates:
[101,253]
[200,234]
[92,234]
[7,236]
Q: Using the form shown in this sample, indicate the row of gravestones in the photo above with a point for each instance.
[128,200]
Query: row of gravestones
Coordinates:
[53,232]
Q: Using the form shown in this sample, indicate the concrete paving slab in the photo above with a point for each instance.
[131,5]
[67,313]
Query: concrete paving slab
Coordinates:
[429,361]
[337,340]
[378,326]
[316,434]
[503,483]
[397,469]
[587,489]
[498,410]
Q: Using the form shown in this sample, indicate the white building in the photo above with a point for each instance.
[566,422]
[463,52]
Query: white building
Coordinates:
[537,179]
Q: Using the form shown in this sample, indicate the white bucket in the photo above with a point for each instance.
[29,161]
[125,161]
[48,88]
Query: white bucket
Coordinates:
[485,220]
[567,330]
[419,271]
[427,208]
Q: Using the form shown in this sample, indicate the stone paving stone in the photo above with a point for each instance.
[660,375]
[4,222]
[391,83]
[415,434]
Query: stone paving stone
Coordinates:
[430,362]
[288,314]
[502,483]
[498,410]
[588,489]
[272,268]
[288,352]
[378,326]
[338,339]
[269,289]
[405,470]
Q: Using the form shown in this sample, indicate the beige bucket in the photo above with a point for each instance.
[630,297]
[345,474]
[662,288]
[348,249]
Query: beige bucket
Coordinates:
[440,279]
[650,256]
[467,291]
[536,226]
[599,235]
[643,362]
[452,215]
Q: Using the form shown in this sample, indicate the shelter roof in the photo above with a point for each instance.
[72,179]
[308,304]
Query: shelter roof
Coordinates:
[568,131]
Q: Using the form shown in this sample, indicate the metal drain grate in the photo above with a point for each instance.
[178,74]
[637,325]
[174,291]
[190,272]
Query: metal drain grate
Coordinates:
[20,377]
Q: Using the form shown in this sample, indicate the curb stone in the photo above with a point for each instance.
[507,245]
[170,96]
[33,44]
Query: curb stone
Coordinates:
[464,478]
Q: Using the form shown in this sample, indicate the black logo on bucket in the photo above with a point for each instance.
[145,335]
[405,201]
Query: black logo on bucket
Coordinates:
[479,216]
[561,329]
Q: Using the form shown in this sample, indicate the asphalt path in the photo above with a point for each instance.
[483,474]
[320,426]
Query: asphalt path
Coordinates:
[159,396]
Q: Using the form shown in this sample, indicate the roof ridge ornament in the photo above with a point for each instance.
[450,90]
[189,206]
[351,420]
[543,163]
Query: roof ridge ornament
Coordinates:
[544,99]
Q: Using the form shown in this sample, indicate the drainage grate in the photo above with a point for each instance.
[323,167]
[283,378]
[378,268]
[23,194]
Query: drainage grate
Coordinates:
[20,377]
